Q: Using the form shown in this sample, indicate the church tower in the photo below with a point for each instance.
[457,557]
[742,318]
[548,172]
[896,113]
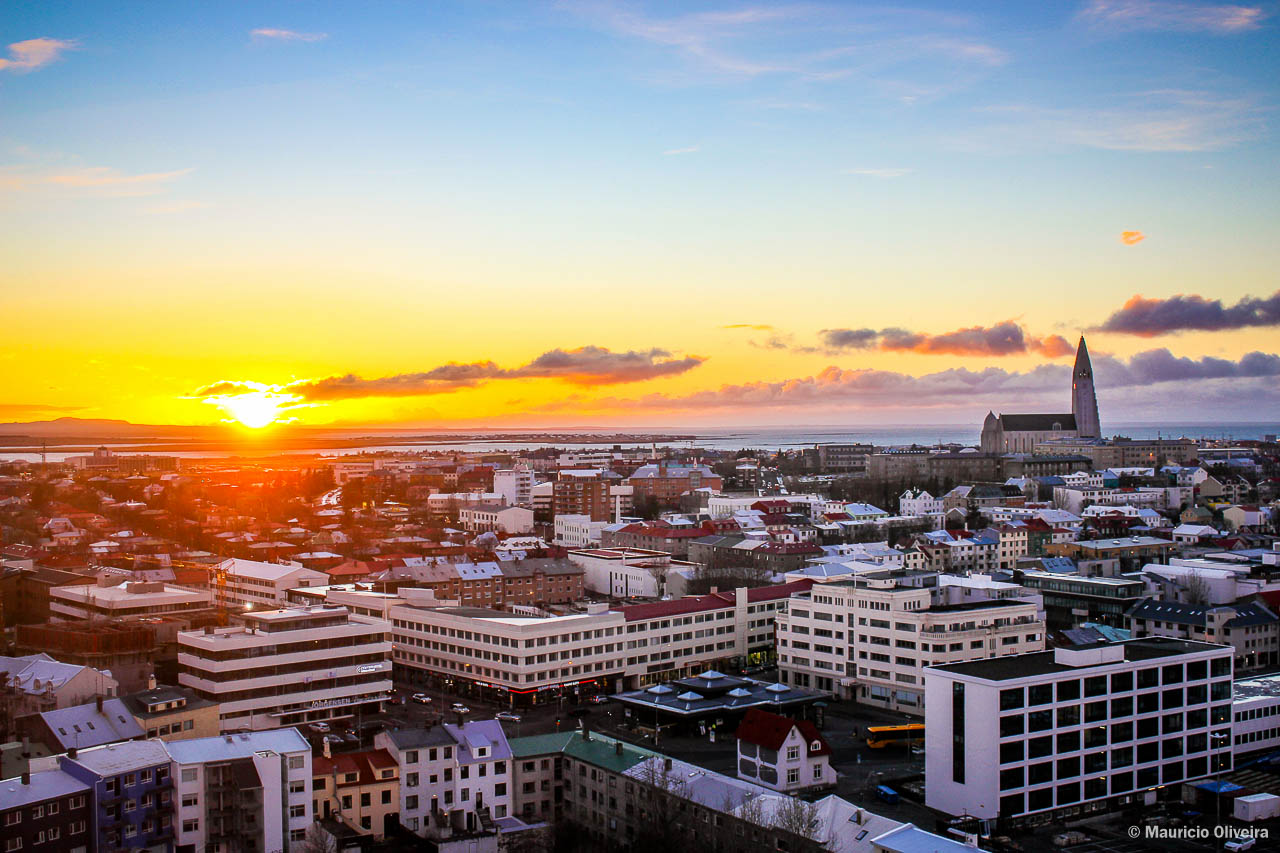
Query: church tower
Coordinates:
[1084,402]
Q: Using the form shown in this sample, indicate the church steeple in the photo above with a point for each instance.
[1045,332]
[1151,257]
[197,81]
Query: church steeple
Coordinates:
[1084,402]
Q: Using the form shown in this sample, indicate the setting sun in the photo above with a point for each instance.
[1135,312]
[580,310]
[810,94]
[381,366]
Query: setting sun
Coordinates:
[255,409]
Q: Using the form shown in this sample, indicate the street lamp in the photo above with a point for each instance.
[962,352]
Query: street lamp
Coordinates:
[1216,738]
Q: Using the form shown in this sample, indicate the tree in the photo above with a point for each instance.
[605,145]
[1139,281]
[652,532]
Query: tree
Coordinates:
[1197,589]
[317,841]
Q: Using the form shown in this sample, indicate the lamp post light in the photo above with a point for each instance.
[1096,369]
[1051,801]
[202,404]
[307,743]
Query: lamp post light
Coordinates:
[1216,739]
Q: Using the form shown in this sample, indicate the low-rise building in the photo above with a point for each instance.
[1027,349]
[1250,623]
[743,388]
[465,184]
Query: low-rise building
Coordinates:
[783,754]
[172,713]
[626,572]
[132,793]
[496,519]
[47,811]
[361,790]
[248,584]
[1251,629]
[130,599]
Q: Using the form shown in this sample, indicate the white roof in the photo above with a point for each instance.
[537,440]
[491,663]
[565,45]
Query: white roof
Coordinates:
[263,571]
[243,745]
[118,757]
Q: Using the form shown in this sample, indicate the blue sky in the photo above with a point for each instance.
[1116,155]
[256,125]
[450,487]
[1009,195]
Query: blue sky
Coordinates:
[534,169]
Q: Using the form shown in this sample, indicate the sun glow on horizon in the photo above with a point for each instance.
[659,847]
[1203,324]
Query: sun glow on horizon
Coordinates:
[256,409]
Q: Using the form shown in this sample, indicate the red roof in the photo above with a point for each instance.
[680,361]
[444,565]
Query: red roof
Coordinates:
[711,601]
[769,730]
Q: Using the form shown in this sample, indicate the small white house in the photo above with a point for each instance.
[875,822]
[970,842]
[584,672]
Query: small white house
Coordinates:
[783,754]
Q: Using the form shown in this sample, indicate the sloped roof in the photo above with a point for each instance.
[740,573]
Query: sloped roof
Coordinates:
[84,726]
[764,728]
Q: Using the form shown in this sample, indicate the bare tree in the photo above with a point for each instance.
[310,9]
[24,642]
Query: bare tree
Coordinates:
[317,841]
[1197,589]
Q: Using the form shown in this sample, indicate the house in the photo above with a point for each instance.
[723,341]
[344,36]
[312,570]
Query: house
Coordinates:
[1245,516]
[783,754]
[359,789]
[81,726]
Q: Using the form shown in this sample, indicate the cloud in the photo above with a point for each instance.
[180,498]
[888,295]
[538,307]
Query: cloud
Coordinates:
[1135,15]
[673,151]
[878,173]
[589,365]
[994,387]
[1150,317]
[34,53]
[759,327]
[1007,338]
[1132,238]
[93,180]
[1166,120]
[287,35]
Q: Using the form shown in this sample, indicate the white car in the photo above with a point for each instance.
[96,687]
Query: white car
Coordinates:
[421,698]
[459,708]
[1240,844]
[509,716]
[319,727]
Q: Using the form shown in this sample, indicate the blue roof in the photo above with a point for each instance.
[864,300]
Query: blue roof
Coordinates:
[44,785]
[226,747]
[83,726]
[910,838]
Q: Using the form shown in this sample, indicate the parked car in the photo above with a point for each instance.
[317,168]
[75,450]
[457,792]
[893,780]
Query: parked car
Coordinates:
[509,716]
[421,698]
[459,708]
[332,738]
[351,737]
[597,699]
[319,727]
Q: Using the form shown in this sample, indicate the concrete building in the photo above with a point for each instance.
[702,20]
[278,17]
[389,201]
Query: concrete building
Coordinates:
[870,637]
[287,667]
[535,659]
[1251,629]
[578,531]
[36,683]
[515,485]
[248,791]
[172,713]
[626,572]
[1077,730]
[248,584]
[131,793]
[130,599]
[496,519]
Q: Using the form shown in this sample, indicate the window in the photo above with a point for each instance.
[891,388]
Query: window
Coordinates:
[296,762]
[386,796]
[1068,690]
[793,753]
[189,774]
[189,800]
[298,811]
[411,757]
[366,799]
[1011,699]
[11,844]
[297,787]
[191,825]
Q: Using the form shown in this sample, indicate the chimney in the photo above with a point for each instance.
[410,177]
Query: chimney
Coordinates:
[71,753]
[617,747]
[328,752]
[666,764]
[26,778]
[208,630]
[586,731]
[98,702]
[151,681]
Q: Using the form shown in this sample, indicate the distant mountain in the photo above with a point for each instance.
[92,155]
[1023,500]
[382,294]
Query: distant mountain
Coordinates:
[105,428]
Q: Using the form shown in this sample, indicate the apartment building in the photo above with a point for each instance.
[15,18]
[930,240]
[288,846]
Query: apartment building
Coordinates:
[1060,734]
[578,531]
[496,519]
[172,713]
[46,811]
[247,791]
[499,584]
[515,485]
[286,667]
[248,584]
[626,572]
[130,599]
[584,491]
[1251,629]
[131,793]
[454,779]
[1255,711]
[1072,599]
[665,483]
[534,659]
[870,637]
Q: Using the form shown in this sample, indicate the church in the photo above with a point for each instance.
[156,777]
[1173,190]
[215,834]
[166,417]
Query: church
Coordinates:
[1021,433]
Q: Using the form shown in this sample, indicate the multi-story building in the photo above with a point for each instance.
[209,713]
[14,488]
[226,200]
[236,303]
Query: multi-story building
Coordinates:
[535,659]
[1255,709]
[45,811]
[172,713]
[849,459]
[665,483]
[249,584]
[626,572]
[83,603]
[33,684]
[453,778]
[497,519]
[1132,552]
[584,491]
[578,531]
[870,637]
[500,584]
[783,754]
[1057,734]
[919,502]
[286,667]
[1251,628]
[247,791]
[359,789]
[515,485]
[1072,599]
[132,792]
[653,536]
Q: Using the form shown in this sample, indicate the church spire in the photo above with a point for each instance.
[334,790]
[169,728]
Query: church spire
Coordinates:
[1084,402]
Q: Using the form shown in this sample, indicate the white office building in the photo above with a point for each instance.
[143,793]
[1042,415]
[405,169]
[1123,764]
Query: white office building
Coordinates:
[287,667]
[574,530]
[1055,735]
[870,637]
[248,584]
[247,791]
[515,485]
[131,599]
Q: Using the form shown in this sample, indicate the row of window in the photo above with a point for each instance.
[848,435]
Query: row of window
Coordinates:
[1014,725]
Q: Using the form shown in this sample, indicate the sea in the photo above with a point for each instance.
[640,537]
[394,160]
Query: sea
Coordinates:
[771,438]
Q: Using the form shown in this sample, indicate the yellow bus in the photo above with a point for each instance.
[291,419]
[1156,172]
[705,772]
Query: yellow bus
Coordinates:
[882,736]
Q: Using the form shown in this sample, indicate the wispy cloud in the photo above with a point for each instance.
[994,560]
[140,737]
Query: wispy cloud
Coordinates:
[878,173]
[674,151]
[1135,15]
[1163,120]
[287,35]
[1150,317]
[34,53]
[88,180]
[1132,238]
[759,327]
[1002,339]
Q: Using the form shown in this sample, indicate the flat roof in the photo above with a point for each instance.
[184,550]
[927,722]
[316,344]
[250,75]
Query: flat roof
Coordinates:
[1045,663]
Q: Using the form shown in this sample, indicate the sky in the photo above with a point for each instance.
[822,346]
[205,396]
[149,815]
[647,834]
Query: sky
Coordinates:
[605,213]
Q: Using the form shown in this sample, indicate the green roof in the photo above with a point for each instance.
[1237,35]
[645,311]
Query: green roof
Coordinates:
[600,751]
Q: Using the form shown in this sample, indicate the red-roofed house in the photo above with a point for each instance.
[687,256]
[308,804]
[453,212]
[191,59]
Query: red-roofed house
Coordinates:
[362,787]
[783,754]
